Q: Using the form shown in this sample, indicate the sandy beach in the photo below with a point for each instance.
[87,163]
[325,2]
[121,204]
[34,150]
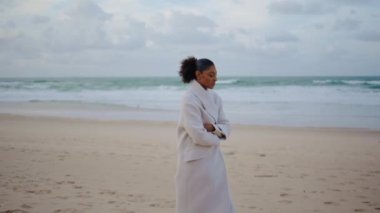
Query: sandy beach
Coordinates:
[50,164]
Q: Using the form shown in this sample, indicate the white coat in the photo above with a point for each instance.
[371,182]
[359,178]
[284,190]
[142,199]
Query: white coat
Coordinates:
[201,178]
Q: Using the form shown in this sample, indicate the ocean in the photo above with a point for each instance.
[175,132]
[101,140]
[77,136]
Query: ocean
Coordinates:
[352,102]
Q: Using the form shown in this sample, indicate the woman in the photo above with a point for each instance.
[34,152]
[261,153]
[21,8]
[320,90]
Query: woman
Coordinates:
[201,179]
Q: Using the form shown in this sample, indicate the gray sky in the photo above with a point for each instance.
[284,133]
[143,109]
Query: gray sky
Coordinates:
[150,38]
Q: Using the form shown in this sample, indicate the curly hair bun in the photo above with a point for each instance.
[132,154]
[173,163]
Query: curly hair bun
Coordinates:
[188,69]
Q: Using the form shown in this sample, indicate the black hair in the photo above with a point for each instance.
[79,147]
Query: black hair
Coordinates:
[190,65]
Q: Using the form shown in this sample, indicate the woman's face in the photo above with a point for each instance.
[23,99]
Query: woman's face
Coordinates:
[207,78]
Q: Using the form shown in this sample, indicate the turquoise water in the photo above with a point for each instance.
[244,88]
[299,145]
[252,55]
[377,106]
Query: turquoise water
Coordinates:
[295,101]
[79,84]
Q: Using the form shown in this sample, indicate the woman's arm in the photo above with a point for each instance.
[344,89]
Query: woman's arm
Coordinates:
[194,126]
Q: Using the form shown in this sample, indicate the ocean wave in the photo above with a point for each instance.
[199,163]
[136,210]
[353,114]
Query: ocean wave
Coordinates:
[354,82]
[339,82]
[374,82]
[21,85]
[81,84]
[228,81]
[322,81]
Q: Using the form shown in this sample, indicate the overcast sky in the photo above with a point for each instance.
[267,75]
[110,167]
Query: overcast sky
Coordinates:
[151,37]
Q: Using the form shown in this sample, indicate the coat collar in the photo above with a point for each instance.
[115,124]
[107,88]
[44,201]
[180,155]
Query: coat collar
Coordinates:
[199,91]
[205,97]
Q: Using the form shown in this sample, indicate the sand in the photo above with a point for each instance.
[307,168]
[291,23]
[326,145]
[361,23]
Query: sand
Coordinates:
[52,164]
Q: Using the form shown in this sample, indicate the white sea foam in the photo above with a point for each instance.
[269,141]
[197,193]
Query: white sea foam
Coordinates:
[229,81]
[354,82]
[374,82]
[322,81]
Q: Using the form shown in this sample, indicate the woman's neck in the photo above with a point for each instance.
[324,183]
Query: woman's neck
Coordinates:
[205,88]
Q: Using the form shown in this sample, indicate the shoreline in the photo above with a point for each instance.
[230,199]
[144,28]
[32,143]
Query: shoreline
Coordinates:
[174,123]
[111,112]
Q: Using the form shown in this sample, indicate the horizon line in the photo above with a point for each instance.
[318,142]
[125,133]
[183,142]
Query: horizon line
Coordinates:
[171,76]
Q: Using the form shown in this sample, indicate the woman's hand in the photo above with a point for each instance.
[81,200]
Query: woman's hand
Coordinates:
[209,127]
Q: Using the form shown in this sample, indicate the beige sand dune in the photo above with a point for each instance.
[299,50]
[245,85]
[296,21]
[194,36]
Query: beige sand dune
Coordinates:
[77,165]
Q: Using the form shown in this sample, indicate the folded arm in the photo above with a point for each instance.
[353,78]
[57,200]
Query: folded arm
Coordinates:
[196,129]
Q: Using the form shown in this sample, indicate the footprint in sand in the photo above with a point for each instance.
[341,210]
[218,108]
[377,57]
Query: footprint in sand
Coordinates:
[39,192]
[66,211]
[229,153]
[80,195]
[285,201]
[331,203]
[169,203]
[335,190]
[362,196]
[136,198]
[62,197]
[85,204]
[265,176]
[14,211]
[108,192]
[26,206]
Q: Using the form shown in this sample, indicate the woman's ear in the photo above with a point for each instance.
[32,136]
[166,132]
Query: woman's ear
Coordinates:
[198,74]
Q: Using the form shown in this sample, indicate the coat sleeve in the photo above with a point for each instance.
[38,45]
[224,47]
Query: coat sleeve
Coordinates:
[223,124]
[194,126]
